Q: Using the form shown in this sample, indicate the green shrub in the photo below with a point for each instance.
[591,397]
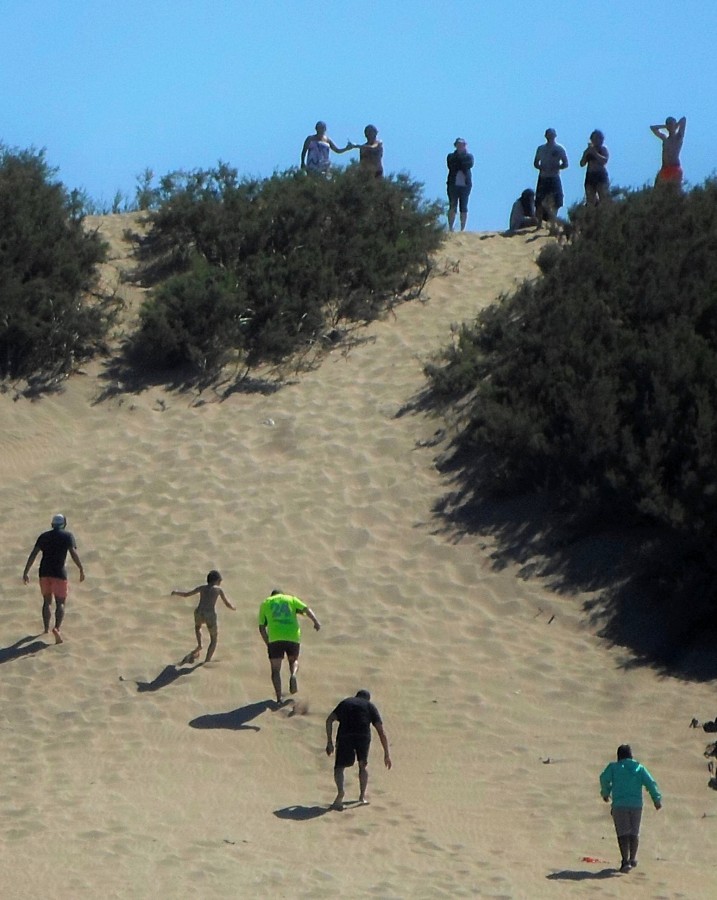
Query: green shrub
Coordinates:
[298,254]
[599,379]
[47,265]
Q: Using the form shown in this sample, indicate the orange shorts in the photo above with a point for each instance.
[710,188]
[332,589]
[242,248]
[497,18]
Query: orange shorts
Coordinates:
[58,587]
[670,174]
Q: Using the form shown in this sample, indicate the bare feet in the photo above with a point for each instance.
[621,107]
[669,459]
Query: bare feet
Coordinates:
[362,801]
[58,636]
[293,687]
[338,803]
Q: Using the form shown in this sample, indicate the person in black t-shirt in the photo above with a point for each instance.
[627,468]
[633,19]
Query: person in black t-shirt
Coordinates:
[355,716]
[54,546]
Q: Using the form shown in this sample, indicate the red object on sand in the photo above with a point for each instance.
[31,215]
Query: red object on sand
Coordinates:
[593,859]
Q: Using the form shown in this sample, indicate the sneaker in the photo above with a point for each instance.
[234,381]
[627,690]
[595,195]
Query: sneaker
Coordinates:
[633,863]
[625,867]
[293,688]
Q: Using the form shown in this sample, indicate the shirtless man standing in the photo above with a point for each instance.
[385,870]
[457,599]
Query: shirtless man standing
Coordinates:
[672,134]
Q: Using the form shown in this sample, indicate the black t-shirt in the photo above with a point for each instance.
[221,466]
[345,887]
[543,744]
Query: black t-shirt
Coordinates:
[356,715]
[55,546]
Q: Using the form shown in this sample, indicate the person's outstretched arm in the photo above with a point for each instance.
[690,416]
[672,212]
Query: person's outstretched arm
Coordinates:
[384,743]
[226,602]
[336,149]
[191,593]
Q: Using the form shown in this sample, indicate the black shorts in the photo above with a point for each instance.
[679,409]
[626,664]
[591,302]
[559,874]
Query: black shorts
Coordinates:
[550,189]
[597,180]
[458,196]
[277,649]
[351,747]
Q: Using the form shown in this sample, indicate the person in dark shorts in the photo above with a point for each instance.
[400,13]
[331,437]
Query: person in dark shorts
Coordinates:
[206,612]
[459,182]
[355,716]
[550,159]
[54,546]
[595,157]
[624,781]
[370,152]
[279,629]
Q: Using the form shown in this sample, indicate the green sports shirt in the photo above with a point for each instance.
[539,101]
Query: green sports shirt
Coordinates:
[279,616]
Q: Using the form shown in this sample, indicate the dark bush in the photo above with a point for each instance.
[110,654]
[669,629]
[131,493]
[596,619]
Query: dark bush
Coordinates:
[47,266]
[599,379]
[295,256]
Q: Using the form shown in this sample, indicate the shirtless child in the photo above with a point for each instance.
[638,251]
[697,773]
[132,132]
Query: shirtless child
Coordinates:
[206,613]
[672,134]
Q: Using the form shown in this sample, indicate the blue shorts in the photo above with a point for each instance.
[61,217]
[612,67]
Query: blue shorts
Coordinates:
[458,197]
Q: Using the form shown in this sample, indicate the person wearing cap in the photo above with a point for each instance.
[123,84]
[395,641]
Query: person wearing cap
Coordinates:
[459,183]
[280,630]
[54,546]
[550,159]
[355,716]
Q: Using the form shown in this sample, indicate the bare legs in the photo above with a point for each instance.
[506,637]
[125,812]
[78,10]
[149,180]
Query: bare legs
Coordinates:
[339,780]
[276,675]
[363,781]
[293,669]
[47,615]
[451,217]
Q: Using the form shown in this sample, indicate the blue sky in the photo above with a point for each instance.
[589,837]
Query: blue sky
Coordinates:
[112,88]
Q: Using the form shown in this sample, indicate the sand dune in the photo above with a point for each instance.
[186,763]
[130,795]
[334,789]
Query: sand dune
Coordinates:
[127,776]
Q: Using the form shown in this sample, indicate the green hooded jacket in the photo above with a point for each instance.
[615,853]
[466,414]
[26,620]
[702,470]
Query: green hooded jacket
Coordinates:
[625,780]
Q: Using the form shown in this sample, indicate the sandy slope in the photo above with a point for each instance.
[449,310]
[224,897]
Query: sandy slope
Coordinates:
[126,777]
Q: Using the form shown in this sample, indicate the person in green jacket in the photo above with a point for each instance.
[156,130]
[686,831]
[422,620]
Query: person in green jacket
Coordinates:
[624,781]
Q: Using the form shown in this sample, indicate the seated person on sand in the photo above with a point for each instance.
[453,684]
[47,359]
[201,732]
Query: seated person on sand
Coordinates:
[371,152]
[522,213]
[595,157]
[206,613]
[315,152]
[672,134]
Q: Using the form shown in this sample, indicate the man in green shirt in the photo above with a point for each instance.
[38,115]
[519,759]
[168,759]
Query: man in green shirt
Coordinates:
[280,631]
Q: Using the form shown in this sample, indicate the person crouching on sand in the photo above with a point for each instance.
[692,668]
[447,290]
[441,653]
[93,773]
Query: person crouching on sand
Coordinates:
[206,612]
[624,781]
[355,716]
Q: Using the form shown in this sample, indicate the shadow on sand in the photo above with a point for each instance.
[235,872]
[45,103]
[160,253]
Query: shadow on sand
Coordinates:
[237,719]
[582,875]
[22,648]
[648,589]
[168,675]
[301,813]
